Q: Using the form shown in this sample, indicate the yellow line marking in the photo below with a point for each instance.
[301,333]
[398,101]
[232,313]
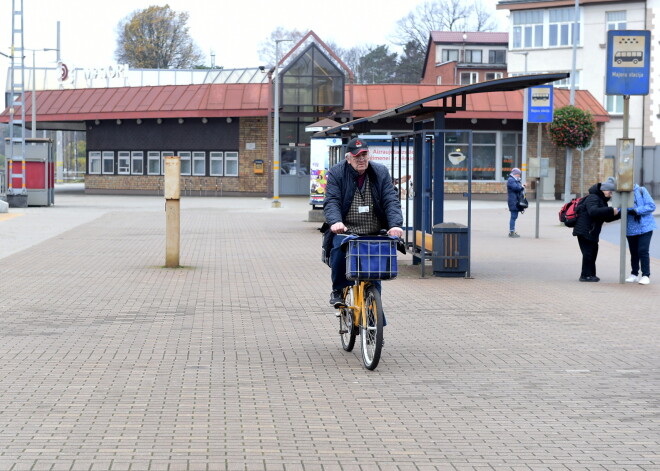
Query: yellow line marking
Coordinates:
[6,216]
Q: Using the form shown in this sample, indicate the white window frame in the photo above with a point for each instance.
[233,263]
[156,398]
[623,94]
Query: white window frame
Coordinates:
[560,27]
[186,162]
[495,75]
[137,159]
[528,29]
[108,156]
[447,57]
[164,154]
[438,80]
[199,156]
[123,162]
[230,158]
[474,78]
[218,159]
[153,156]
[95,163]
[616,20]
[614,104]
[566,83]
[475,56]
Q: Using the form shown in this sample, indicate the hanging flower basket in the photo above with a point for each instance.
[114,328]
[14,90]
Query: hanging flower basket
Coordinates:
[571,127]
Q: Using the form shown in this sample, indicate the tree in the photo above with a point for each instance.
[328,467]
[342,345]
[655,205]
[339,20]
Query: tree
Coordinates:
[267,46]
[409,68]
[377,66]
[156,38]
[441,15]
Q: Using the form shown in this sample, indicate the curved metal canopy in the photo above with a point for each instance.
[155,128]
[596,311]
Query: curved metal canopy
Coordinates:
[451,101]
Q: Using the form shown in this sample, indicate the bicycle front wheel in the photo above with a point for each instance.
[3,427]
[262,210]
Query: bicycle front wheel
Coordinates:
[371,328]
[347,328]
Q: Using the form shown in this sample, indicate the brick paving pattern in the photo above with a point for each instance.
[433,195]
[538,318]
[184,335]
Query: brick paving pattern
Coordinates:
[111,362]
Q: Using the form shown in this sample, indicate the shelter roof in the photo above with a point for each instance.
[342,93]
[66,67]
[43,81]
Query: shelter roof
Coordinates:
[494,99]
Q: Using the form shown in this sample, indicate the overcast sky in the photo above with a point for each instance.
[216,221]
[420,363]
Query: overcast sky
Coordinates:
[231,29]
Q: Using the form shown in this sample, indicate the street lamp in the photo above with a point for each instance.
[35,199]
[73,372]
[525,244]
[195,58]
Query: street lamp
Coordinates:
[276,126]
[523,163]
[34,88]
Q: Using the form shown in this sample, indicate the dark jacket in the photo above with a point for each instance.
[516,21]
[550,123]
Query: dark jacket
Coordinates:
[593,211]
[514,188]
[341,187]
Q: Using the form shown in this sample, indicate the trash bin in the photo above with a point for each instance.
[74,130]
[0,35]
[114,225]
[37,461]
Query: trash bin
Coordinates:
[450,249]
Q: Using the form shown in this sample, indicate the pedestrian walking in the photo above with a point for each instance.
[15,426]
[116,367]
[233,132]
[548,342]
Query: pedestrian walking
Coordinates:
[593,211]
[639,230]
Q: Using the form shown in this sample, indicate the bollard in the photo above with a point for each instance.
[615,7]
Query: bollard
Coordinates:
[172,211]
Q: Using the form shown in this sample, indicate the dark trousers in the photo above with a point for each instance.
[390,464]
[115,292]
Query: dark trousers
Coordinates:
[639,253]
[589,250]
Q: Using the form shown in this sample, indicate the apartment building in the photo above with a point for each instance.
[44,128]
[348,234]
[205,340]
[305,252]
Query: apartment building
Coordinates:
[463,58]
[541,40]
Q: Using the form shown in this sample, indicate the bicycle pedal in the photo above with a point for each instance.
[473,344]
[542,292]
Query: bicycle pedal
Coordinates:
[342,332]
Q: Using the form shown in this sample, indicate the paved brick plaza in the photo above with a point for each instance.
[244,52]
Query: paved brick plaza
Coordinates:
[110,362]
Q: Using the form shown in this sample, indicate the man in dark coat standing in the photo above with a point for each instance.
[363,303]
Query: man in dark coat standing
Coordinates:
[359,199]
[593,211]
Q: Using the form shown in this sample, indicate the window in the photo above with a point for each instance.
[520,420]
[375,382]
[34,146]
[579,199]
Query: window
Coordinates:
[614,104]
[185,162]
[497,57]
[494,75]
[616,20]
[473,56]
[511,152]
[95,162]
[153,163]
[231,164]
[199,163]
[162,160]
[137,163]
[469,77]
[108,162]
[560,29]
[438,80]
[527,29]
[484,155]
[449,55]
[123,162]
[217,161]
[566,83]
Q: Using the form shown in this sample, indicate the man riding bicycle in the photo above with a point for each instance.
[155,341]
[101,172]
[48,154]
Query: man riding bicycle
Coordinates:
[359,199]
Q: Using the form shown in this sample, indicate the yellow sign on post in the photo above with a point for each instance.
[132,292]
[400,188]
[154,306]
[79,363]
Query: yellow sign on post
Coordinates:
[172,211]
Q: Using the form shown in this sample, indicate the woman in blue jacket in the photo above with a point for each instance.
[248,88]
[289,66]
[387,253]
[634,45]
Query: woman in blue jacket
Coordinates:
[639,232]
[514,187]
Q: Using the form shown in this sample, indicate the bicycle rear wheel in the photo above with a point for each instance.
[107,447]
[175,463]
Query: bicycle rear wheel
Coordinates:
[347,328]
[371,328]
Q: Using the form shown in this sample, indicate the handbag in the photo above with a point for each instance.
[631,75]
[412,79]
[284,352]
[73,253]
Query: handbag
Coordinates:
[522,204]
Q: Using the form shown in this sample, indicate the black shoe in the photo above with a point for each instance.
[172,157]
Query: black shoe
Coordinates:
[592,279]
[336,298]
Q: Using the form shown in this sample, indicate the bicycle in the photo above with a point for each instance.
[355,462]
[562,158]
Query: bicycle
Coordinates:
[368,258]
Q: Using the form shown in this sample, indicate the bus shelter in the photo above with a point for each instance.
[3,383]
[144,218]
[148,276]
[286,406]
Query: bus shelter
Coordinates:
[427,235]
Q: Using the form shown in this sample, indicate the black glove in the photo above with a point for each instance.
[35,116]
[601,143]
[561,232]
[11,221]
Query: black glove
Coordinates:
[638,218]
[632,212]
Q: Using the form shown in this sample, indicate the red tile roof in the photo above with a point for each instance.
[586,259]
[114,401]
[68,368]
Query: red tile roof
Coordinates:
[236,100]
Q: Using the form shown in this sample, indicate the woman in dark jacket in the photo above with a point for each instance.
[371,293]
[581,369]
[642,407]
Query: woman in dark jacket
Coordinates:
[514,187]
[593,211]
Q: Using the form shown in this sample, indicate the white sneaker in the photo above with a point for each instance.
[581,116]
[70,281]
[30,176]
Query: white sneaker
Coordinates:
[644,280]
[632,279]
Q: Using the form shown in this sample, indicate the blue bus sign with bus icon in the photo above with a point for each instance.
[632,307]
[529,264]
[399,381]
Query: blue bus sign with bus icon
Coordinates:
[540,104]
[628,62]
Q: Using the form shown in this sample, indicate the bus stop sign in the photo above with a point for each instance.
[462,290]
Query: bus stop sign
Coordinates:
[540,104]
[628,62]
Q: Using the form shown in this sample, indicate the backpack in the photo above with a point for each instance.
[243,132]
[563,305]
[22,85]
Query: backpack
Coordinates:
[568,214]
